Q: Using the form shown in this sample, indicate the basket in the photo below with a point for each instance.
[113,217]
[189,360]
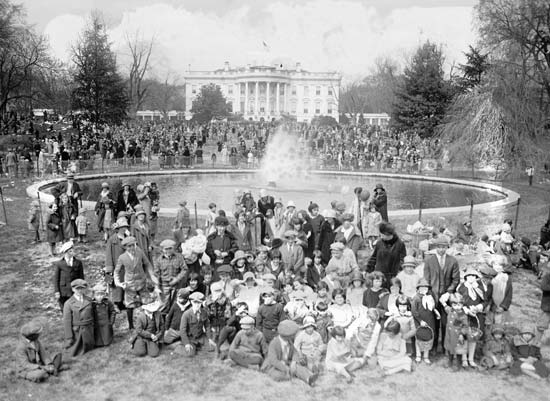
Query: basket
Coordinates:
[417,238]
[474,333]
[424,338]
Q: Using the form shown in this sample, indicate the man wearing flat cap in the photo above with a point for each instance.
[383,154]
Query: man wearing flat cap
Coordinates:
[133,272]
[170,270]
[221,244]
[67,269]
[195,327]
[31,360]
[441,271]
[78,320]
[283,361]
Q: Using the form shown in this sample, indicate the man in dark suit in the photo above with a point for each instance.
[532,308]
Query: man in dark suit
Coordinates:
[292,254]
[441,271]
[195,330]
[67,269]
[71,188]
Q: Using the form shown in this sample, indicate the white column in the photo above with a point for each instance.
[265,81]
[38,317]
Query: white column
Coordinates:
[268,98]
[277,108]
[245,111]
[256,99]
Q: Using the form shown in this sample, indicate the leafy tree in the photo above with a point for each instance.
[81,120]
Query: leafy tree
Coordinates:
[423,96]
[476,65]
[163,95]
[210,103]
[99,88]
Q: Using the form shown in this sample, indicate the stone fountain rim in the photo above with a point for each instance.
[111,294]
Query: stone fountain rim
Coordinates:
[510,197]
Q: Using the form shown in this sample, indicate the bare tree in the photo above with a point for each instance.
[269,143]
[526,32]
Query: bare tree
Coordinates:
[140,52]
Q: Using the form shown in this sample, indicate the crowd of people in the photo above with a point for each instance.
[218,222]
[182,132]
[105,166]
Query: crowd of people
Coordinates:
[292,292]
[78,145]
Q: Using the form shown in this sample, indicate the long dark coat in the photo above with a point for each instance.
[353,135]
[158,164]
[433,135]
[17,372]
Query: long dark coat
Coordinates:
[64,274]
[78,323]
[54,228]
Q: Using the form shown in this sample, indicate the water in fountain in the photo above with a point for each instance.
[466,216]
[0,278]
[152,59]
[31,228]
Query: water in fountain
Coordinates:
[286,162]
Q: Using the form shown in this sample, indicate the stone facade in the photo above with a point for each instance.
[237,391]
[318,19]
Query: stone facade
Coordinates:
[265,92]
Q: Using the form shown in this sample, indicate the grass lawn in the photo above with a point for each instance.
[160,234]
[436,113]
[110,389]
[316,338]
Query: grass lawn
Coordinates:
[113,374]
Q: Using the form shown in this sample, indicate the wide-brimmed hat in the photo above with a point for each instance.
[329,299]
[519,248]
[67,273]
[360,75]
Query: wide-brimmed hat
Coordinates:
[267,290]
[290,234]
[340,207]
[497,328]
[528,329]
[337,246]
[31,328]
[423,283]
[290,204]
[472,272]
[287,328]
[104,185]
[357,276]
[379,186]
[79,283]
[308,322]
[269,276]
[238,256]
[182,203]
[128,241]
[276,243]
[125,184]
[249,276]
[329,214]
[140,211]
[295,295]
[409,261]
[487,271]
[121,222]
[66,246]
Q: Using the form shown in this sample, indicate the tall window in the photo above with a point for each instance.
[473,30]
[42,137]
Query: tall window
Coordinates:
[318,91]
[329,108]
[194,89]
[281,89]
[306,105]
[293,90]
[243,88]
[317,107]
[329,91]
[306,91]
[293,107]
[230,89]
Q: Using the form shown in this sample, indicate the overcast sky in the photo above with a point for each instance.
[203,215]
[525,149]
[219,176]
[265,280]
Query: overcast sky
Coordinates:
[341,35]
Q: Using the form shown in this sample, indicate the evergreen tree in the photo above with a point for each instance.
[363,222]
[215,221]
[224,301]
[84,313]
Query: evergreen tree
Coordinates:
[99,89]
[423,96]
[210,103]
[476,66]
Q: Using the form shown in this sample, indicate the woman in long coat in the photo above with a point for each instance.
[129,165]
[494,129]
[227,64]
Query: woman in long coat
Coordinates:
[78,320]
[55,227]
[104,209]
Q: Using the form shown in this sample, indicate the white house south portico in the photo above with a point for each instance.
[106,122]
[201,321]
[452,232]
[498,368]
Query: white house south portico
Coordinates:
[266,92]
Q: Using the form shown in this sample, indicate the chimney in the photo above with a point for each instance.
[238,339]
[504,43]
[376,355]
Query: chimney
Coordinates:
[226,66]
[298,67]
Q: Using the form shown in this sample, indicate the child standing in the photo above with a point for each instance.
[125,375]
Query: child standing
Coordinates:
[309,344]
[34,220]
[408,276]
[457,328]
[82,224]
[424,313]
[406,322]
[104,313]
[371,221]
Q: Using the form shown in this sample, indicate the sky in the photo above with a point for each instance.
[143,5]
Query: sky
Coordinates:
[323,35]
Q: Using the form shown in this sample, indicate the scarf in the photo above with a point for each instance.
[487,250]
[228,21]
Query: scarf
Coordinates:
[428,302]
[473,290]
[499,288]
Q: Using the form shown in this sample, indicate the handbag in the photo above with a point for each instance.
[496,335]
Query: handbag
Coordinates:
[474,333]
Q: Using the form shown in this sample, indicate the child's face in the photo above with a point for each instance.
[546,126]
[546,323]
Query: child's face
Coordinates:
[497,336]
[317,260]
[402,308]
[288,288]
[527,337]
[357,283]
[297,285]
[99,296]
[339,299]
[240,262]
[322,292]
[409,269]
[339,338]
[457,306]
[376,283]
[208,277]
[269,282]
[310,330]
[422,290]
[193,283]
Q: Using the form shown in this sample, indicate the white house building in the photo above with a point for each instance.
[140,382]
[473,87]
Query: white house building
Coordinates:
[267,92]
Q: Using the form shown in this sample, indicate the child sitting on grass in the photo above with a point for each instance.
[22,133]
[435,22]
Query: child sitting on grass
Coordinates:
[309,344]
[392,350]
[527,356]
[496,351]
[340,357]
